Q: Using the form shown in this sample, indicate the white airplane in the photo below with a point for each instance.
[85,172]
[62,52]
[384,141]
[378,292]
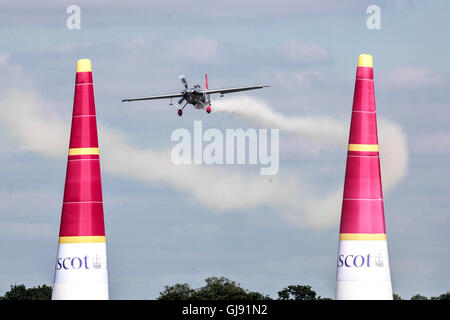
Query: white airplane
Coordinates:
[198,97]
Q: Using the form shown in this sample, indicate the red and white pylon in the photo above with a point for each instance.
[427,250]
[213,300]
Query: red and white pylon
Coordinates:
[81,269]
[362,263]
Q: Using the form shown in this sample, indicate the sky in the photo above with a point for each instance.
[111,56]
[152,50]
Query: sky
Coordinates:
[168,224]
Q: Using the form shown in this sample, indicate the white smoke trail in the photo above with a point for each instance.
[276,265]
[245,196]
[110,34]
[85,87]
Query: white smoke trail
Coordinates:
[393,142]
[41,131]
[322,130]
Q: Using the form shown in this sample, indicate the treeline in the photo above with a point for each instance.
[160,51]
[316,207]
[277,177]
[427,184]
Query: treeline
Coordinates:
[214,289]
[225,289]
[20,292]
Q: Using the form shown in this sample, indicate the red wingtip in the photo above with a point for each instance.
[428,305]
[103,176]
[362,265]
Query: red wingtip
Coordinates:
[206,81]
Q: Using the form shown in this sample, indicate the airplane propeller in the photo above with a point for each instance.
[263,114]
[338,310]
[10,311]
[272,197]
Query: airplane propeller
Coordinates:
[183,80]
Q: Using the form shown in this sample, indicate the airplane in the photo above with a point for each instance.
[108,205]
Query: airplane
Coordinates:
[196,96]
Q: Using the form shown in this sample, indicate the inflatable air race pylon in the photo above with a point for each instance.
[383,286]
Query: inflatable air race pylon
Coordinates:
[362,263]
[80,269]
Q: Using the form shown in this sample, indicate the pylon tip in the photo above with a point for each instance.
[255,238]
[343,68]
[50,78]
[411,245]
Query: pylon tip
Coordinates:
[365,60]
[84,65]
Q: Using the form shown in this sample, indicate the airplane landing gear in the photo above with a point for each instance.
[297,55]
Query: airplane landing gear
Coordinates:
[180,112]
[208,109]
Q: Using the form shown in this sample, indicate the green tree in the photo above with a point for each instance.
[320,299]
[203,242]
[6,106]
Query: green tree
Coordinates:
[419,297]
[444,296]
[179,291]
[396,296]
[297,292]
[215,289]
[224,289]
[20,292]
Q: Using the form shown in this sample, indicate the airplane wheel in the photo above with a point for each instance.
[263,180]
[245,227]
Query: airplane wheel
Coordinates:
[180,112]
[208,109]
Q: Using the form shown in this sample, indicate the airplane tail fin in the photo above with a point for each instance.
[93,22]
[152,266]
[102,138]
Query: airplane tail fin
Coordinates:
[208,99]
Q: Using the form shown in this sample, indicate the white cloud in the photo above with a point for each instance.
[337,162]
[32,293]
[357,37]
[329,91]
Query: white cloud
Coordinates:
[4,57]
[186,50]
[411,79]
[11,72]
[201,10]
[432,144]
[27,230]
[316,129]
[199,49]
[194,50]
[327,131]
[69,47]
[37,130]
[311,79]
[304,53]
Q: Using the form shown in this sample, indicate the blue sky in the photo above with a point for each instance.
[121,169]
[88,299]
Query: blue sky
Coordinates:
[160,232]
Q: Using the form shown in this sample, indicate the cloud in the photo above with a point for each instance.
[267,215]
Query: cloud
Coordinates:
[317,129]
[12,73]
[36,128]
[198,49]
[432,144]
[411,79]
[326,131]
[323,130]
[70,47]
[393,153]
[214,187]
[3,59]
[114,10]
[304,53]
[309,78]
[28,230]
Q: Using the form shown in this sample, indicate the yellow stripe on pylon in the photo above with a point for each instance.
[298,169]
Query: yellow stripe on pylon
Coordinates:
[363,147]
[82,239]
[83,151]
[362,236]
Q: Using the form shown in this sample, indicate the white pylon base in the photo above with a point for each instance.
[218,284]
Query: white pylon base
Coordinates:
[85,291]
[81,272]
[363,271]
[363,290]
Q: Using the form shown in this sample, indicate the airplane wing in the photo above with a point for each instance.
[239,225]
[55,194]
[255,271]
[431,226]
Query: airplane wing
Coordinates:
[230,90]
[166,96]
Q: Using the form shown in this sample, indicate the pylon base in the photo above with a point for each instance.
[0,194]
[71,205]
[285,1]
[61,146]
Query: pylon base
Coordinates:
[76,291]
[81,272]
[363,290]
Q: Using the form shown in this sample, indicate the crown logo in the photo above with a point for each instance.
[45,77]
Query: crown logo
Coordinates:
[97,263]
[379,260]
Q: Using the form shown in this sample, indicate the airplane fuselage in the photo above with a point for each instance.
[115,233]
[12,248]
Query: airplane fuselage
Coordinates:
[195,98]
